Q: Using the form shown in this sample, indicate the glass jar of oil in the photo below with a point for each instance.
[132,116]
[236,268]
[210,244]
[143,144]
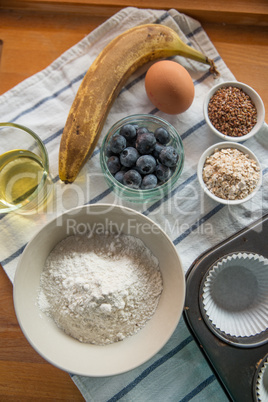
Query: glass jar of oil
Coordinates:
[24,170]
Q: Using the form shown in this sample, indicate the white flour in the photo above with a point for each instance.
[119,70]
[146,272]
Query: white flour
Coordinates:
[100,289]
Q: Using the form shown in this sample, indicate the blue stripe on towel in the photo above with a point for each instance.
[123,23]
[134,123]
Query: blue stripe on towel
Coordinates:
[149,369]
[198,223]
[100,196]
[48,98]
[175,190]
[53,136]
[198,389]
[14,255]
[192,129]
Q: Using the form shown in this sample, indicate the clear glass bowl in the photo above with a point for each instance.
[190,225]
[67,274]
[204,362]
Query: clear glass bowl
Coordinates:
[24,170]
[141,195]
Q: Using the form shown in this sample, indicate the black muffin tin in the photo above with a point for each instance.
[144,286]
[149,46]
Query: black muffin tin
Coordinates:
[234,366]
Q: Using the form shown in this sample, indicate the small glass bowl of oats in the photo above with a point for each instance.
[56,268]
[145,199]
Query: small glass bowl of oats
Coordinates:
[229,173]
[233,111]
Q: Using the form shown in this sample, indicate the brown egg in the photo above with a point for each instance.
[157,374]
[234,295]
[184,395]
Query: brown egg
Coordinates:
[169,87]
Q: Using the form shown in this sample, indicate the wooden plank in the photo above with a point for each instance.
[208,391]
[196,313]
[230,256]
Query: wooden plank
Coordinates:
[34,34]
[45,36]
[245,52]
[239,11]
[33,41]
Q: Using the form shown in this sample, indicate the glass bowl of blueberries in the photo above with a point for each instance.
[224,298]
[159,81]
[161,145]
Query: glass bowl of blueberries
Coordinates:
[142,157]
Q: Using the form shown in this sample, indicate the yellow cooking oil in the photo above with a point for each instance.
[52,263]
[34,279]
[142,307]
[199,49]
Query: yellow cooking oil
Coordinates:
[20,174]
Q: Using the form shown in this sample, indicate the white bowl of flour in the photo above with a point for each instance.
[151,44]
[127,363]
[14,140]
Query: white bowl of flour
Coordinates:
[99,290]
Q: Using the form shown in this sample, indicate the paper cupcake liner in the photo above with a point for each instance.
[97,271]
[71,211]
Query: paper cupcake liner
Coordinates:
[262,382]
[235,295]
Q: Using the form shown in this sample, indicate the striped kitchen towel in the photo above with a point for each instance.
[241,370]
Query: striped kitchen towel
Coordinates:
[179,371]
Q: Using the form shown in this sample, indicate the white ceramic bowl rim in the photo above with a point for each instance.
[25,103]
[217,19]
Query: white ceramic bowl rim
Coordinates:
[210,151]
[68,353]
[256,100]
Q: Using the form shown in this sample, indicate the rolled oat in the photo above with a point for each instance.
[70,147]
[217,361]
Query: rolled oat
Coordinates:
[230,174]
[232,112]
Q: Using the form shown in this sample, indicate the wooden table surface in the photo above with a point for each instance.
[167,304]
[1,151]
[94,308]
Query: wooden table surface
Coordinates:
[33,33]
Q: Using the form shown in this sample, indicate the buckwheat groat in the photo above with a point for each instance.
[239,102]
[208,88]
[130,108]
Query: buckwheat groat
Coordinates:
[232,112]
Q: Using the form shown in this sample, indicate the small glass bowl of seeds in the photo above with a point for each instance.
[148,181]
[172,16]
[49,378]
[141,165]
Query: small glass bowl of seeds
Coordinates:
[229,173]
[234,111]
[142,158]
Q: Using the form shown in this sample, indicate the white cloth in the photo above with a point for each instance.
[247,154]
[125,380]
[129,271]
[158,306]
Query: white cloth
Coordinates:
[179,371]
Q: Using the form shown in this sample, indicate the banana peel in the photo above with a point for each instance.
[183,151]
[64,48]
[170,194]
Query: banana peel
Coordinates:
[102,83]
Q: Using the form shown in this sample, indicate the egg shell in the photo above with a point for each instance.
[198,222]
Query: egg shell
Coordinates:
[169,87]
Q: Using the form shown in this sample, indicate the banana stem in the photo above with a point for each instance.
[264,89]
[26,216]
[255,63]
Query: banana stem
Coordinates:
[191,53]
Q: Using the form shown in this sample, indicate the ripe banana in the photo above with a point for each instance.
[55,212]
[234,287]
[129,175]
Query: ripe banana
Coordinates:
[102,83]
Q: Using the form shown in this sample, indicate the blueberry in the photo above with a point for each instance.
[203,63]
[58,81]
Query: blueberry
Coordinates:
[132,179]
[162,135]
[128,131]
[146,164]
[162,172]
[145,143]
[131,143]
[149,181]
[157,149]
[119,176]
[108,151]
[113,164]
[117,143]
[129,156]
[141,130]
[169,156]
